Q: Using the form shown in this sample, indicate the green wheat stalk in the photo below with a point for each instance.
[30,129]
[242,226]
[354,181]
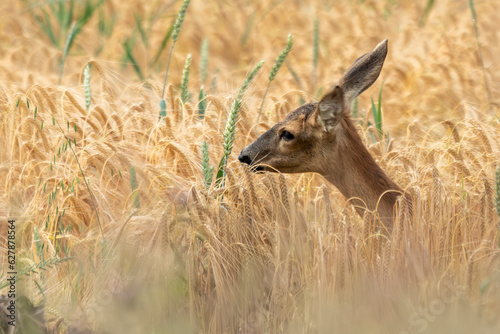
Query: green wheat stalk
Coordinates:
[86,86]
[377,113]
[208,170]
[38,244]
[35,268]
[274,70]
[185,79]
[70,144]
[175,35]
[84,177]
[230,128]
[202,102]
[294,74]
[204,60]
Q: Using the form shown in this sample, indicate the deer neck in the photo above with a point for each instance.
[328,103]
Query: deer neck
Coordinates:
[358,177]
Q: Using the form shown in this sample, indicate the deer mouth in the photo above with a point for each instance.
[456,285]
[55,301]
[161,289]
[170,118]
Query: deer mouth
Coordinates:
[257,169]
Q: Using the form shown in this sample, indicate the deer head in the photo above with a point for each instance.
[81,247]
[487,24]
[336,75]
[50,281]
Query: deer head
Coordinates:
[320,137]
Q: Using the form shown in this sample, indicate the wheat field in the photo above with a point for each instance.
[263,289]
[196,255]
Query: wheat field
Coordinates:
[117,233]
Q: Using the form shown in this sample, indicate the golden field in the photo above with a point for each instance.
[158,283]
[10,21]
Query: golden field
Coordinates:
[265,253]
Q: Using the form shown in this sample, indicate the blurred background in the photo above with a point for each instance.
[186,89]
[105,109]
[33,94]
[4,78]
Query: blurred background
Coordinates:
[122,227]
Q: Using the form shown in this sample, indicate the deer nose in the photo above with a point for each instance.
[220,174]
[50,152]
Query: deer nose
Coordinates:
[245,159]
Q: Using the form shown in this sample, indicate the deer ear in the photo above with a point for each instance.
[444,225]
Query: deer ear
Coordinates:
[363,72]
[330,109]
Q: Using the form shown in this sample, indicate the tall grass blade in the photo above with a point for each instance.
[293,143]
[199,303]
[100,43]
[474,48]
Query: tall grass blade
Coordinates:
[142,33]
[427,11]
[47,27]
[375,117]
[248,28]
[294,74]
[72,147]
[69,42]
[480,52]
[130,57]
[163,44]
[67,16]
[202,104]
[379,110]
[377,113]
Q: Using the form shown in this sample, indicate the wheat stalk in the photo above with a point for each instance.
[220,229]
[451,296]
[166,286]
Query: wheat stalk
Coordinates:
[185,95]
[230,128]
[206,168]
[454,130]
[204,61]
[274,70]
[175,35]
[202,102]
[86,86]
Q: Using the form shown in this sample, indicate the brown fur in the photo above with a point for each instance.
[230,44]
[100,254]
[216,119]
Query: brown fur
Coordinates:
[325,141]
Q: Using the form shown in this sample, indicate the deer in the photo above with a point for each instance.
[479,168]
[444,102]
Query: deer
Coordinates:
[320,137]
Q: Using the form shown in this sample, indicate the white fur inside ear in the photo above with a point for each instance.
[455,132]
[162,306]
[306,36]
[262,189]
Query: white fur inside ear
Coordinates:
[330,114]
[323,107]
[331,109]
[322,124]
[330,124]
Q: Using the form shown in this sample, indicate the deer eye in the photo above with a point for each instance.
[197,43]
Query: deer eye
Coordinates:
[287,136]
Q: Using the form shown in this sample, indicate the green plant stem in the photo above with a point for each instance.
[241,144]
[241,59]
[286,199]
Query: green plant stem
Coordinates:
[166,71]
[88,188]
[262,103]
[480,52]
[33,269]
[83,174]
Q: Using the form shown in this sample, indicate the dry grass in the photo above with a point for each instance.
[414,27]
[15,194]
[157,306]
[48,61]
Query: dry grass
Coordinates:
[274,253]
